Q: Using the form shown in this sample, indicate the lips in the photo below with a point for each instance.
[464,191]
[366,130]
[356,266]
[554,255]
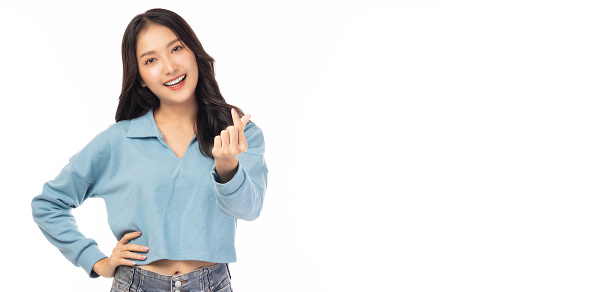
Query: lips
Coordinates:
[175,81]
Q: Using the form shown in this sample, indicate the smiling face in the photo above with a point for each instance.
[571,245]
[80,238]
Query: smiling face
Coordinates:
[166,66]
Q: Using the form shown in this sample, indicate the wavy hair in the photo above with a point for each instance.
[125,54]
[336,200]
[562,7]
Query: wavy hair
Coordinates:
[214,113]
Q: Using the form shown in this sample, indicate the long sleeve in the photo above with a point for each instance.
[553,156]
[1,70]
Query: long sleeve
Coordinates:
[242,197]
[52,210]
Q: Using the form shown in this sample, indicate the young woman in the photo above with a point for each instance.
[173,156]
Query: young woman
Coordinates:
[176,170]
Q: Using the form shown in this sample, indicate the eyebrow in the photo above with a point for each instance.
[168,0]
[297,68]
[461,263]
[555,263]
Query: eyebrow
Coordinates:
[151,52]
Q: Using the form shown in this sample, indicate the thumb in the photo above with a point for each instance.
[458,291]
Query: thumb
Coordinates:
[245,119]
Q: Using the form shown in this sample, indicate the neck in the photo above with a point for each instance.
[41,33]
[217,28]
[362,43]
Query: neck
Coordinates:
[175,114]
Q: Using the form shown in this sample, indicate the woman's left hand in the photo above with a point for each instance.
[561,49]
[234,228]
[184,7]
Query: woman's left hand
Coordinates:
[231,142]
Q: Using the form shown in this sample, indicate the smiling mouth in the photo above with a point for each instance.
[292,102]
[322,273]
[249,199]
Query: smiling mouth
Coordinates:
[176,82]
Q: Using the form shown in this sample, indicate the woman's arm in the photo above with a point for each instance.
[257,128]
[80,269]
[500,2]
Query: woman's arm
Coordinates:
[52,213]
[241,193]
[69,189]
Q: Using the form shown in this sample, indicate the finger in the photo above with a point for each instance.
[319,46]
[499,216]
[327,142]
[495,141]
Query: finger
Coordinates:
[125,262]
[242,139]
[245,119]
[242,142]
[132,255]
[224,139]
[236,119]
[216,145]
[233,138]
[129,236]
[135,247]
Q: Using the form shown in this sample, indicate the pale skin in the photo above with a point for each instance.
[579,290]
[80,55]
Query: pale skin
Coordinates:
[166,60]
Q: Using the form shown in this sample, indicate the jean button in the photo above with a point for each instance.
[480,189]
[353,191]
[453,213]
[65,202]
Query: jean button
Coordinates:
[178,284]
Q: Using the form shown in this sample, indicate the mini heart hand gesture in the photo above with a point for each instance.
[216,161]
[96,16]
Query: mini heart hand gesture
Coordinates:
[231,142]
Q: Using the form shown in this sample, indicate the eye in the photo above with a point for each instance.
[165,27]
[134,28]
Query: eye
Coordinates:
[177,47]
[149,61]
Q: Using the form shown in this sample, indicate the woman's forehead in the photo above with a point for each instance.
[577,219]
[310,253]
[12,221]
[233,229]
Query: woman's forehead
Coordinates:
[154,37]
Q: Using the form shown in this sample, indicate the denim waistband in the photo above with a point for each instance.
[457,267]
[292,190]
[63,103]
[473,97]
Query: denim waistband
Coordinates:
[135,278]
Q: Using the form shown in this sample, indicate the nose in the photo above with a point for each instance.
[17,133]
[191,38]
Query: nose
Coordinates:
[169,66]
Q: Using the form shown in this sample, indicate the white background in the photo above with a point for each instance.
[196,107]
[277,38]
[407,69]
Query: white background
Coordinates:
[412,145]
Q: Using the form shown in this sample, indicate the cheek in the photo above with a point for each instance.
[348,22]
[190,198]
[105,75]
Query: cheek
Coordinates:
[189,60]
[195,65]
[149,75]
[194,68]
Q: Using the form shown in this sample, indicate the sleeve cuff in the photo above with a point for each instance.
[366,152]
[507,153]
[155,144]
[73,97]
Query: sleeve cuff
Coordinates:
[89,257]
[232,185]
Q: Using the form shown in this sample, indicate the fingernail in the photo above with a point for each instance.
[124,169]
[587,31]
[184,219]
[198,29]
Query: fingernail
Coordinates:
[232,110]
[138,232]
[143,256]
[146,248]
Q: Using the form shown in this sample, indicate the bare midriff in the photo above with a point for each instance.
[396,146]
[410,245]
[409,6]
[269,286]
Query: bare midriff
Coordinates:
[172,268]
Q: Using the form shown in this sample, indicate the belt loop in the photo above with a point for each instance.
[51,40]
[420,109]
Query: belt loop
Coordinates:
[132,278]
[202,280]
[140,270]
[208,271]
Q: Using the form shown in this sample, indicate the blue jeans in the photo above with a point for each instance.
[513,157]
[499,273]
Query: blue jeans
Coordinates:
[206,279]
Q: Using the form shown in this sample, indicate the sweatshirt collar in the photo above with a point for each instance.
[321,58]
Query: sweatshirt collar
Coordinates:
[144,126]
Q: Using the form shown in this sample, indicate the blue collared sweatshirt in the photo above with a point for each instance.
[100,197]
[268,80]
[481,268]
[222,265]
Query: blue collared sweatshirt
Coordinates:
[179,205]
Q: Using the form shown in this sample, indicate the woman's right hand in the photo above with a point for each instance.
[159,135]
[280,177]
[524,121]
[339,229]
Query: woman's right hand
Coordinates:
[106,267]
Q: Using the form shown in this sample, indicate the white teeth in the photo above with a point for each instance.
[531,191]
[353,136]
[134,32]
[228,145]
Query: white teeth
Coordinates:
[177,80]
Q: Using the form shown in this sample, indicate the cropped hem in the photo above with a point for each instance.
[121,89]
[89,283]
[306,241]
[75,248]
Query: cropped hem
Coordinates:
[205,258]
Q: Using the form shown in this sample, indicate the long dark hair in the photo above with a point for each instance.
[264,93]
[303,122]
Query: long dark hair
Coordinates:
[213,115]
